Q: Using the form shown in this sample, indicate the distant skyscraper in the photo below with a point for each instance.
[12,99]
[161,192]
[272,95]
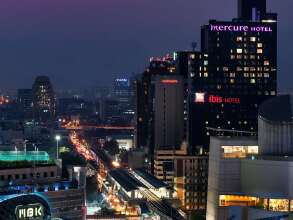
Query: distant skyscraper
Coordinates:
[251,9]
[25,102]
[44,104]
[123,92]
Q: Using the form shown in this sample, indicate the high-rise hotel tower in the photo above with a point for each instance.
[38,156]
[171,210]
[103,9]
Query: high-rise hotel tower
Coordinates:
[237,73]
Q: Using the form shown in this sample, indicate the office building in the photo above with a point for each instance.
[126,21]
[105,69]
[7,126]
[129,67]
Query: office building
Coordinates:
[164,162]
[44,103]
[160,107]
[186,174]
[190,182]
[143,99]
[168,112]
[234,73]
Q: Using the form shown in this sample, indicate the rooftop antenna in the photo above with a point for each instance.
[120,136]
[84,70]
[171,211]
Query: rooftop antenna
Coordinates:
[193,45]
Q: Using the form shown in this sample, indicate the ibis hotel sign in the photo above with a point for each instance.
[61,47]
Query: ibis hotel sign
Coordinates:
[215,99]
[29,212]
[239,28]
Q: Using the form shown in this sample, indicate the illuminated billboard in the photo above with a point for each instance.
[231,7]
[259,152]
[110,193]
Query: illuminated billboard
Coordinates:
[24,207]
[31,211]
[239,28]
[215,99]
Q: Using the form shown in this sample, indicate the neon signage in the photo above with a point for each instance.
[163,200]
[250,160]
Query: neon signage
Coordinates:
[214,99]
[219,99]
[240,28]
[32,211]
[169,81]
[121,80]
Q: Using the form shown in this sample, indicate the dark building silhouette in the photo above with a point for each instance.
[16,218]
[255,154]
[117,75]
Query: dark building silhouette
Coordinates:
[44,105]
[25,103]
[252,9]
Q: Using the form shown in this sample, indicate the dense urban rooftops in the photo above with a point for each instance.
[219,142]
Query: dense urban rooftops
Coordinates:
[11,156]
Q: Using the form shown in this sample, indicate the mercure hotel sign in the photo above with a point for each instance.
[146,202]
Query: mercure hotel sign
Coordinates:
[239,28]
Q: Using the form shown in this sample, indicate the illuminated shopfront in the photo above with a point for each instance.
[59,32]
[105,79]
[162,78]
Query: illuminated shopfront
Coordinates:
[239,151]
[276,205]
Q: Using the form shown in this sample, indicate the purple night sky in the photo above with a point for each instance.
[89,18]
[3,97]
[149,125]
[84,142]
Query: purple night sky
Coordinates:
[82,43]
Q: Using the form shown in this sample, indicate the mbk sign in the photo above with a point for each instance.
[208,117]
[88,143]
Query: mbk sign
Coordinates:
[33,211]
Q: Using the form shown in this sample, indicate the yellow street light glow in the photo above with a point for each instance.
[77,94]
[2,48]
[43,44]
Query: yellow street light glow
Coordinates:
[115,164]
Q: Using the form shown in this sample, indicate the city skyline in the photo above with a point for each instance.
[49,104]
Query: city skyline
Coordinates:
[73,43]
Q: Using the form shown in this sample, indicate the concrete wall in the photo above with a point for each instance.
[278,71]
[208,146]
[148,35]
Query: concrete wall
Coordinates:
[275,137]
[267,177]
[224,174]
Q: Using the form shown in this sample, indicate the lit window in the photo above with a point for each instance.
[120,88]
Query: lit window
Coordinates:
[259,45]
[246,74]
[266,69]
[205,63]
[239,68]
[266,63]
[259,75]
[232,81]
[239,39]
[205,74]
[239,50]
[252,81]
[259,51]
[252,39]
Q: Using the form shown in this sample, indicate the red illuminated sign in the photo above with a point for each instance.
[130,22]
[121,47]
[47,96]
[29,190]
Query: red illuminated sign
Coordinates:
[219,99]
[169,81]
[214,99]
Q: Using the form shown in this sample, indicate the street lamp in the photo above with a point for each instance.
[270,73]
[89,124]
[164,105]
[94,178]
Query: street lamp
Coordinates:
[57,138]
